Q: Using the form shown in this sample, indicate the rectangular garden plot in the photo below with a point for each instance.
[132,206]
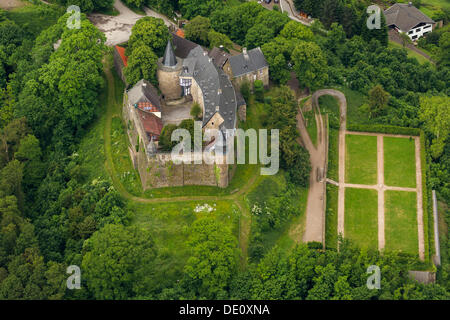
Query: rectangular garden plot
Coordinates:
[399,162]
[361,217]
[361,159]
[401,221]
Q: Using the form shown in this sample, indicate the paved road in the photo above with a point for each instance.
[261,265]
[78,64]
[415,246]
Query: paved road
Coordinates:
[288,6]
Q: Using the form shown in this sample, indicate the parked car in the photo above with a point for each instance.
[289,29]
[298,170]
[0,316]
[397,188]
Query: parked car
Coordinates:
[267,1]
[276,1]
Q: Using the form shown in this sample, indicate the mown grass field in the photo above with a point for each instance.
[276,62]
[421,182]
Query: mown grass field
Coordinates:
[361,159]
[399,162]
[361,217]
[401,221]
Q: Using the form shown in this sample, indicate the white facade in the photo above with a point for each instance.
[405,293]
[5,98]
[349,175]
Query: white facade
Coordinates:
[417,32]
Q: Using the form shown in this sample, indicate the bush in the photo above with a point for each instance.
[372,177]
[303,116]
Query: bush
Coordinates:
[245,90]
[196,111]
[258,88]
[382,128]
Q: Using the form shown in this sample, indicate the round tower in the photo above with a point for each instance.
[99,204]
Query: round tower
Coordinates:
[169,68]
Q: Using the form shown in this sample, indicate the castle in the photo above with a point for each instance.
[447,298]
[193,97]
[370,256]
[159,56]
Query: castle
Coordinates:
[187,74]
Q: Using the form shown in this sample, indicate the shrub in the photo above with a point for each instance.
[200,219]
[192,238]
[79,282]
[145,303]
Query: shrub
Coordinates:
[196,111]
[259,90]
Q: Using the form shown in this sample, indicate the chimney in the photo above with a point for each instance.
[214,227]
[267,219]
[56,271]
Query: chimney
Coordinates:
[244,51]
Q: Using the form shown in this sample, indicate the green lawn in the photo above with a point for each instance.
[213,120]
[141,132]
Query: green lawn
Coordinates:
[430,7]
[401,221]
[329,105]
[268,190]
[354,100]
[169,224]
[361,217]
[331,235]
[399,162]
[361,159]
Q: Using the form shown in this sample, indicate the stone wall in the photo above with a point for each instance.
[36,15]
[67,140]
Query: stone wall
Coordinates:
[242,112]
[169,82]
[118,65]
[159,171]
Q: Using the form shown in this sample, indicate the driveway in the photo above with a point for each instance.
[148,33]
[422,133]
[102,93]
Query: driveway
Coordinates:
[288,6]
[117,29]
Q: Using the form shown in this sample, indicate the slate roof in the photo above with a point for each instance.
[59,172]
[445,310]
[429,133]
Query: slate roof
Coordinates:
[169,59]
[219,56]
[240,65]
[215,84]
[144,92]
[182,46]
[405,16]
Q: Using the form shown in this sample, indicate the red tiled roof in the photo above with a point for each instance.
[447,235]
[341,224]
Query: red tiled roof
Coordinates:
[180,33]
[148,106]
[151,123]
[121,52]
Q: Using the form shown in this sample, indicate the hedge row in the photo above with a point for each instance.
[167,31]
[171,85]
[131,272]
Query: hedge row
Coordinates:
[428,238]
[381,128]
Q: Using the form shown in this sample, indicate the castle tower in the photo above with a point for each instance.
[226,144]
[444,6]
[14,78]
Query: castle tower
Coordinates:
[169,69]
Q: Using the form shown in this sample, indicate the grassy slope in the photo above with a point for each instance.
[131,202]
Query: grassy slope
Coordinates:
[169,224]
[35,18]
[311,126]
[361,216]
[411,54]
[401,221]
[361,159]
[399,162]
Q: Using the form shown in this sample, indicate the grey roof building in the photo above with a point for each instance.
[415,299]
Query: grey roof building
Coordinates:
[248,62]
[405,16]
[143,92]
[218,92]
[182,46]
[219,57]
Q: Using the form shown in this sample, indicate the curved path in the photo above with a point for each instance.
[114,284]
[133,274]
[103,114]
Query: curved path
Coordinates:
[315,207]
[237,198]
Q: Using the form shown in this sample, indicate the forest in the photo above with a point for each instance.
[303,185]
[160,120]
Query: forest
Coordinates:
[52,215]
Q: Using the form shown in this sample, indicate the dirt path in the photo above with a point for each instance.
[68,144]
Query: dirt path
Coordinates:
[117,29]
[421,237]
[238,197]
[315,207]
[380,179]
